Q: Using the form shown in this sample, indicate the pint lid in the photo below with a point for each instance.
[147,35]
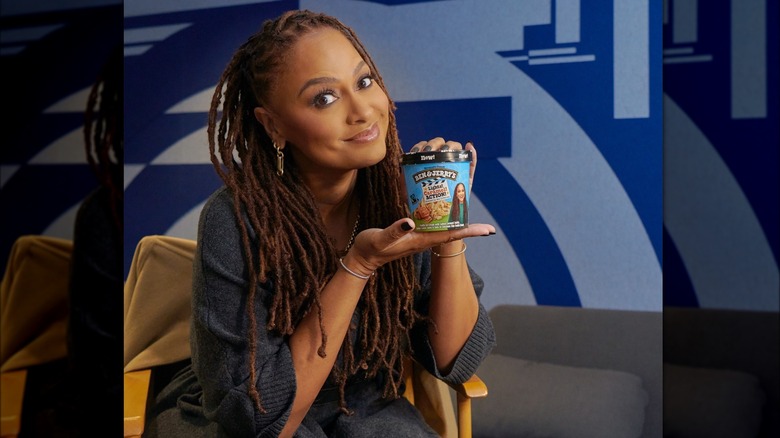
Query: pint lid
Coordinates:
[436,157]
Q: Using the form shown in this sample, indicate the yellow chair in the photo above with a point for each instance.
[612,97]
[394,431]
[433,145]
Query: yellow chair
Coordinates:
[157,333]
[11,397]
[33,317]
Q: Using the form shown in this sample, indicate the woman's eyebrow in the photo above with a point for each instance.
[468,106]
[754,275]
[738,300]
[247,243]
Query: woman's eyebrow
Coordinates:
[329,79]
[358,68]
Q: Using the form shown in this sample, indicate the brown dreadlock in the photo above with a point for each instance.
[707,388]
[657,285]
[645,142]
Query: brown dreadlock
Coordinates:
[104,131]
[294,251]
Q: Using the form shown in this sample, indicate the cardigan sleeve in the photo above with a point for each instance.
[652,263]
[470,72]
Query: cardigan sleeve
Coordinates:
[219,332]
[479,343]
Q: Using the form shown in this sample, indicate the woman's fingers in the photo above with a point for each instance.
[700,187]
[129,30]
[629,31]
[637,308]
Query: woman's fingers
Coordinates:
[377,246]
[374,247]
[473,230]
[417,147]
[435,144]
[451,146]
[473,164]
[392,235]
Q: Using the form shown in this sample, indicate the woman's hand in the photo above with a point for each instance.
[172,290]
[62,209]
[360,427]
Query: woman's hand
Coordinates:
[375,246]
[439,144]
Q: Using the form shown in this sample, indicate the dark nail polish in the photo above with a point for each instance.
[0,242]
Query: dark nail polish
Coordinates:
[405,226]
[491,233]
[415,150]
[446,147]
[427,148]
[470,142]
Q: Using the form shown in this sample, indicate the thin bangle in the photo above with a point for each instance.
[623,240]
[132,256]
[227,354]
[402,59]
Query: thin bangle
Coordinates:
[353,273]
[444,256]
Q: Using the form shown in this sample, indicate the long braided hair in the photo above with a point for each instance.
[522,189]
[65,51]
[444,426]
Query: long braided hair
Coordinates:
[104,131]
[294,253]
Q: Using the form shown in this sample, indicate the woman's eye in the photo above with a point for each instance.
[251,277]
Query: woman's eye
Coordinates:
[324,99]
[365,82]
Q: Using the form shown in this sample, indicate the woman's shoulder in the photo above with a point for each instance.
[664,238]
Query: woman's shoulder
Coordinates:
[219,207]
[217,210]
[218,216]
[221,199]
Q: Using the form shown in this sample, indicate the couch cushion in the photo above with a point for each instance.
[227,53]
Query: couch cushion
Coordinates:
[536,399]
[708,402]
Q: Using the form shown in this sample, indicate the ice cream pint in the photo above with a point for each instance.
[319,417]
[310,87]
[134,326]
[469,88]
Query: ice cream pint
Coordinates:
[437,189]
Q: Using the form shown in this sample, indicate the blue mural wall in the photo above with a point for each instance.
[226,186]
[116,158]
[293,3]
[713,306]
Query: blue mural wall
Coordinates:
[51,54]
[562,99]
[721,137]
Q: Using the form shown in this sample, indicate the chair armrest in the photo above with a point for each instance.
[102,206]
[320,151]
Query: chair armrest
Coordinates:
[11,398]
[471,388]
[136,393]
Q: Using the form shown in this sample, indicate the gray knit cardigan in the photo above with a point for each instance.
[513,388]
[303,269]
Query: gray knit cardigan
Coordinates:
[210,398]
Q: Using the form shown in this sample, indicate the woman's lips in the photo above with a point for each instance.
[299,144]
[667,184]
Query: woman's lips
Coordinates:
[367,135]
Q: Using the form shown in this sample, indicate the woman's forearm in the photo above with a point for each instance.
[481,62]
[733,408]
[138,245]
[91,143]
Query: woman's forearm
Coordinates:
[339,299]
[453,305]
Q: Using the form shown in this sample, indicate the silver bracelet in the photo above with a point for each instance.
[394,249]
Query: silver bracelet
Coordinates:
[444,256]
[353,273]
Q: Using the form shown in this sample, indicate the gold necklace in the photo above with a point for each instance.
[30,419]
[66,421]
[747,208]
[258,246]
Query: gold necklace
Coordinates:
[354,233]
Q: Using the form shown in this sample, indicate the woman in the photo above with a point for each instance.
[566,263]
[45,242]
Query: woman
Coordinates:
[459,212]
[310,285]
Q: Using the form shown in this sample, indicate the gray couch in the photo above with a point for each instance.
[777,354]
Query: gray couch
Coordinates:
[721,373]
[565,371]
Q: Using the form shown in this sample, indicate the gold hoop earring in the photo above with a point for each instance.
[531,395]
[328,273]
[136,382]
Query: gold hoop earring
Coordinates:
[279,160]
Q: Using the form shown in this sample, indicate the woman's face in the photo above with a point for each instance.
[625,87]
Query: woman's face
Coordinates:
[326,106]
[460,192]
